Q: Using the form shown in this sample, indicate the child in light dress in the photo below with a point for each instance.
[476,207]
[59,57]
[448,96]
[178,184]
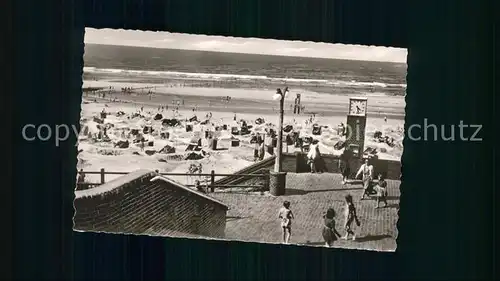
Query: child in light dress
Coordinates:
[286,217]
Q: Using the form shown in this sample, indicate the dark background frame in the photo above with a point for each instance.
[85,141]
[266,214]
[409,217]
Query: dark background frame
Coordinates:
[446,217]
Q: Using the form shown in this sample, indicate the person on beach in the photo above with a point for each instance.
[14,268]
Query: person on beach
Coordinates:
[344,165]
[262,149]
[286,217]
[329,232]
[142,143]
[381,189]
[366,170]
[350,217]
[81,176]
[198,187]
[256,147]
[341,131]
[256,151]
[313,156]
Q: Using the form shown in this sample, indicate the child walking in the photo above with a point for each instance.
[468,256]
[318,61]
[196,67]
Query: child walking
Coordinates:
[330,234]
[350,217]
[381,189]
[286,216]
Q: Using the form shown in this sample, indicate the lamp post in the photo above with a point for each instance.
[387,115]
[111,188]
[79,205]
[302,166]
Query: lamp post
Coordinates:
[280,95]
[277,178]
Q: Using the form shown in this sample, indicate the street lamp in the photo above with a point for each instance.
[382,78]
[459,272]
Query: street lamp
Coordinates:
[280,95]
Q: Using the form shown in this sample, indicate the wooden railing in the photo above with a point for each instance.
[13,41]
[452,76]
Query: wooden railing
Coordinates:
[210,177]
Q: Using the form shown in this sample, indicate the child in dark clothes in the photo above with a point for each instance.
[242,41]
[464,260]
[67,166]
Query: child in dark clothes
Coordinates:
[330,234]
[350,217]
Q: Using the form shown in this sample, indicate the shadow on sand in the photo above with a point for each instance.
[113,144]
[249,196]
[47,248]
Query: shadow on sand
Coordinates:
[358,240]
[371,238]
[235,218]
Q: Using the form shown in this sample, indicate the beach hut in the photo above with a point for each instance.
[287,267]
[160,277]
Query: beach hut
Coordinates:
[134,132]
[212,143]
[193,119]
[288,128]
[235,131]
[147,130]
[235,142]
[194,144]
[259,121]
[316,130]
[158,116]
[170,122]
[122,144]
[167,149]
[339,145]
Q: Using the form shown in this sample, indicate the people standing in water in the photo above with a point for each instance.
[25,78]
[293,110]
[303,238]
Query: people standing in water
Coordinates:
[381,189]
[286,217]
[329,232]
[350,217]
[345,165]
[366,170]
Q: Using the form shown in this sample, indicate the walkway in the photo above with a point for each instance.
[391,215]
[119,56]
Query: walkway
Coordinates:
[254,217]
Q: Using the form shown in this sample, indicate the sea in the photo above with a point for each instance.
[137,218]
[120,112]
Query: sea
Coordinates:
[366,76]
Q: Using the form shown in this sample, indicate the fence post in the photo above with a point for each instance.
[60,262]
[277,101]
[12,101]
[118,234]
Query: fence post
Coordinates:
[212,181]
[102,176]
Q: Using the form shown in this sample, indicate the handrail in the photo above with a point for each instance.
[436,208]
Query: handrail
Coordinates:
[171,174]
[213,184]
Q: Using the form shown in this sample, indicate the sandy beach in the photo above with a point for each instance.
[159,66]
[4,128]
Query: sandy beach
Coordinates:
[247,104]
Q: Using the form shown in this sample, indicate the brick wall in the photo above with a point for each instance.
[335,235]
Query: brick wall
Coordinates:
[135,204]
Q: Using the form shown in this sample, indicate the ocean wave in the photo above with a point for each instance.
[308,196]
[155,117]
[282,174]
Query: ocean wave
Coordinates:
[219,77]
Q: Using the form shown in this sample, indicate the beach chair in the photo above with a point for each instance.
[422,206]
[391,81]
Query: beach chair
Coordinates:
[339,145]
[235,131]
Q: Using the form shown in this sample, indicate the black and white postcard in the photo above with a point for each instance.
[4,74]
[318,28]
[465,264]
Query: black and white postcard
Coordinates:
[241,139]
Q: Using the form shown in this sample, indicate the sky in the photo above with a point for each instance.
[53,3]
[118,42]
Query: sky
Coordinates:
[167,40]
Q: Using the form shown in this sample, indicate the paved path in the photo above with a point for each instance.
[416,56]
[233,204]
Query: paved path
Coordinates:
[254,217]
